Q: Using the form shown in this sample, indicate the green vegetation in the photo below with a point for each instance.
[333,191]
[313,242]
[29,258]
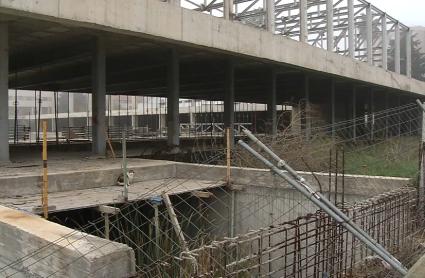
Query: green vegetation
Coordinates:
[397,157]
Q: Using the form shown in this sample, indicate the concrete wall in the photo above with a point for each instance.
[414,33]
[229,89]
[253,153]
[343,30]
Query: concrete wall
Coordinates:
[366,186]
[52,249]
[160,21]
[106,175]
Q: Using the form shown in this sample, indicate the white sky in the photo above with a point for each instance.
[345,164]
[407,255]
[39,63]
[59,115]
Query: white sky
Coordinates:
[409,12]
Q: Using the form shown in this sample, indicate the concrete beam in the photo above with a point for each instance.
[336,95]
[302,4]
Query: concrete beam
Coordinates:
[330,25]
[397,48]
[173,95]
[384,42]
[4,92]
[271,103]
[162,22]
[99,98]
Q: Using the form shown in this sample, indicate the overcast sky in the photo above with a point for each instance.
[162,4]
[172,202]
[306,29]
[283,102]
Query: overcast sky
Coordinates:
[409,12]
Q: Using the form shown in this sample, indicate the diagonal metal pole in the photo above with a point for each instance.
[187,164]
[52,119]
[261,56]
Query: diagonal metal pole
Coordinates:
[302,186]
[421,187]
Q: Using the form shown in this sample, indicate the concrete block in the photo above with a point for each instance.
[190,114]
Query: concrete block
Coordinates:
[52,249]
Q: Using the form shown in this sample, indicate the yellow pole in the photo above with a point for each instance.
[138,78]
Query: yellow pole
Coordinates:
[228,155]
[44,198]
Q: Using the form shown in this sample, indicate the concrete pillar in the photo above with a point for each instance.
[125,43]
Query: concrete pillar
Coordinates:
[371,113]
[4,92]
[228,9]
[354,112]
[173,95]
[271,103]
[384,42]
[270,6]
[99,98]
[408,53]
[330,25]
[307,112]
[303,21]
[369,37]
[351,27]
[333,106]
[229,95]
[397,48]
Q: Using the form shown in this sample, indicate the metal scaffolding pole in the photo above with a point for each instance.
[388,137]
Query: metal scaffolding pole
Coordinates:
[384,42]
[397,48]
[270,6]
[409,52]
[303,21]
[228,9]
[351,26]
[330,25]
[369,36]
[301,185]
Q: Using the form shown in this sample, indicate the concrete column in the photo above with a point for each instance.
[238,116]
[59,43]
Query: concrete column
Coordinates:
[307,112]
[303,21]
[4,92]
[371,113]
[228,9]
[330,25]
[397,48]
[333,106]
[173,86]
[271,103]
[229,95]
[99,98]
[270,6]
[369,37]
[384,43]
[409,53]
[354,114]
[351,35]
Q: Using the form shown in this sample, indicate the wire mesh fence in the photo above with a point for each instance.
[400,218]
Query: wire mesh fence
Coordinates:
[257,225]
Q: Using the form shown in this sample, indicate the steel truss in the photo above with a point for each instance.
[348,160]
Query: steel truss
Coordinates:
[356,28]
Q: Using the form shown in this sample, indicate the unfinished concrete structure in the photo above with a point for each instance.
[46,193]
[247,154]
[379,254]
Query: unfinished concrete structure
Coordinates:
[155,48]
[242,51]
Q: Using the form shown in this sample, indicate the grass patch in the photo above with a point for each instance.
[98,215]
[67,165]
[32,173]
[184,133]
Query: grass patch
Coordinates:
[397,157]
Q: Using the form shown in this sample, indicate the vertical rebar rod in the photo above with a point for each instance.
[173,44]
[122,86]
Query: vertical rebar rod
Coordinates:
[302,186]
